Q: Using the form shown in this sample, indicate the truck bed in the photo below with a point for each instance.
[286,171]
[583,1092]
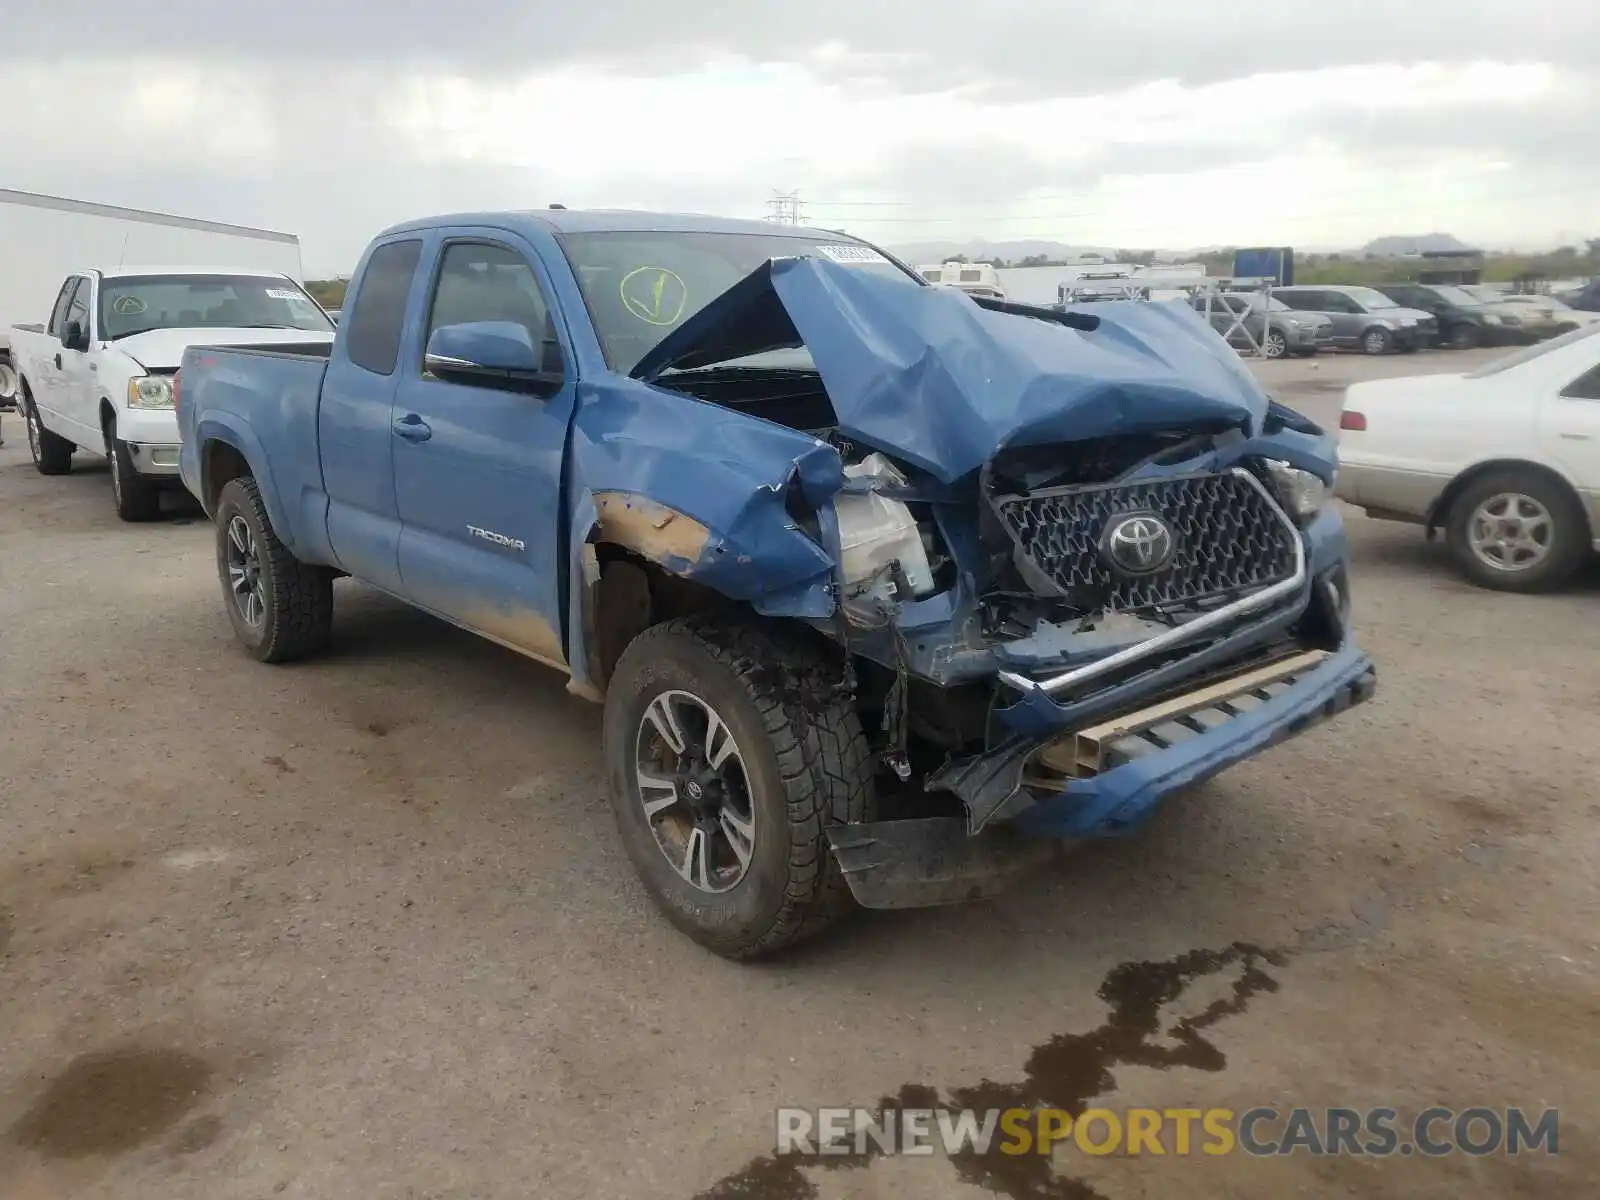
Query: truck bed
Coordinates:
[269,397]
[320,350]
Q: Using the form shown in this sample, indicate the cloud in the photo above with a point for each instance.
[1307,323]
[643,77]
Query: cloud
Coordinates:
[1167,123]
[1032,47]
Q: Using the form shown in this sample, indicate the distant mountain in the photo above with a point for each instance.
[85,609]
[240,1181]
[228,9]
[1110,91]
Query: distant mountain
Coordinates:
[1414,243]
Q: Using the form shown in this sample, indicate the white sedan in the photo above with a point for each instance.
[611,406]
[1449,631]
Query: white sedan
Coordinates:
[1505,459]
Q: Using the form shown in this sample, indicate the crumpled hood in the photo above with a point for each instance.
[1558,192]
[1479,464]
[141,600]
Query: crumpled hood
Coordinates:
[930,375]
[162,349]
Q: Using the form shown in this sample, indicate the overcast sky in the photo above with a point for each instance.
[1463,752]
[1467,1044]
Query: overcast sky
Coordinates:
[1171,123]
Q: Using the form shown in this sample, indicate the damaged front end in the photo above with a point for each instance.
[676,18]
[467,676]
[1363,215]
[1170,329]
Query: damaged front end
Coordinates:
[1077,562]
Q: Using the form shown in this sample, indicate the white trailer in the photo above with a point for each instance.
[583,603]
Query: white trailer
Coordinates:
[43,239]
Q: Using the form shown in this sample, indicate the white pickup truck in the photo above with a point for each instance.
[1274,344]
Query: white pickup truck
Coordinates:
[98,376]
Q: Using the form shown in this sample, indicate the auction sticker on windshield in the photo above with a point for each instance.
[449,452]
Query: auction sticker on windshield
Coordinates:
[851,254]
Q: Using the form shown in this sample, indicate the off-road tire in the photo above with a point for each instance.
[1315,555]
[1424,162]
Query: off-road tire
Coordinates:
[1569,544]
[136,498]
[806,759]
[297,597]
[52,453]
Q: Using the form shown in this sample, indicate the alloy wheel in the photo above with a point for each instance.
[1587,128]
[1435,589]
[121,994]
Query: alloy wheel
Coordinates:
[694,789]
[244,572]
[1510,532]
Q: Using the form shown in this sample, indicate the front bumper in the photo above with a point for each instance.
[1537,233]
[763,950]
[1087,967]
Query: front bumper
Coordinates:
[916,863]
[1412,337]
[1172,755]
[1507,335]
[156,459]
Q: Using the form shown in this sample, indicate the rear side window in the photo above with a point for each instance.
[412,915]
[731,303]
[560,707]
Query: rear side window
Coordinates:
[372,329]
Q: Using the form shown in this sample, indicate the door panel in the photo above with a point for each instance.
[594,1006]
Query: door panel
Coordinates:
[478,469]
[1569,428]
[79,391]
[354,417]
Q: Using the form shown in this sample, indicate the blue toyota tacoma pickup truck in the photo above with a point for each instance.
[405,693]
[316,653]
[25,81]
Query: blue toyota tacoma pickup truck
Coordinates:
[887,590]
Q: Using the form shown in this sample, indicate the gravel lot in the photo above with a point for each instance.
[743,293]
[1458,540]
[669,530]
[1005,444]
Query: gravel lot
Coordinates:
[362,927]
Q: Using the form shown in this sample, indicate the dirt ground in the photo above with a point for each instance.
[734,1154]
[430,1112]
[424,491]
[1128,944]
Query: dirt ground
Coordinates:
[362,927]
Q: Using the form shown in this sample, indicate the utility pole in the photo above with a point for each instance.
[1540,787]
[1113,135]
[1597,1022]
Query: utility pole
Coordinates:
[786,208]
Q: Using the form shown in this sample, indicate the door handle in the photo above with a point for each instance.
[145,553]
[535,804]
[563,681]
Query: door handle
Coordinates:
[58,360]
[413,428]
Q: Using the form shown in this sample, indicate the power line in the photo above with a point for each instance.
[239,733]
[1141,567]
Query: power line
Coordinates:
[786,208]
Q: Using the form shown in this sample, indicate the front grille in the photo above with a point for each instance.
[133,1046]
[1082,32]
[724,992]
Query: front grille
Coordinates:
[1229,538]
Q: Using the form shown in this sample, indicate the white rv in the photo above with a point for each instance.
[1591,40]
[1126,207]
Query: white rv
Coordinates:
[977,279]
[43,239]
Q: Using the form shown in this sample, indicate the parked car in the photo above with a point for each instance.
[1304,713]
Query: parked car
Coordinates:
[1562,315]
[767,493]
[1288,332]
[1464,320]
[1505,459]
[98,375]
[1363,318]
[1585,298]
[1538,318]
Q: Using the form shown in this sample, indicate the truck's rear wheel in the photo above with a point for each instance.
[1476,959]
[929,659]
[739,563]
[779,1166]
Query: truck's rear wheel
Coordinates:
[52,454]
[726,765]
[280,607]
[137,498]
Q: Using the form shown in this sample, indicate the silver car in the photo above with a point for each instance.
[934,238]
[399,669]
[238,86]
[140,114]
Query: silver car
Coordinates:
[1363,318]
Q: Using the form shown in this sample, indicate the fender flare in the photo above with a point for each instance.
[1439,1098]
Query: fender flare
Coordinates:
[222,427]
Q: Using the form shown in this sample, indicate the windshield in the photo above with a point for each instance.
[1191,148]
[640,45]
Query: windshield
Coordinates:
[133,304]
[640,286]
[1538,350]
[1482,293]
[1369,297]
[1256,301]
[1456,295]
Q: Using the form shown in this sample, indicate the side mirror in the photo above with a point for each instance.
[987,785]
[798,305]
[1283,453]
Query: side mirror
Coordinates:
[74,336]
[494,354]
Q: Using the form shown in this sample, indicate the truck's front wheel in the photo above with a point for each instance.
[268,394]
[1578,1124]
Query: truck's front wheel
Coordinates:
[280,607]
[137,498]
[728,756]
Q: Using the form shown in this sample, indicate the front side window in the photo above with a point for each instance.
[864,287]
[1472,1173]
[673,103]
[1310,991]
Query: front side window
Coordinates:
[479,281]
[58,314]
[78,307]
[639,287]
[133,304]
[1585,386]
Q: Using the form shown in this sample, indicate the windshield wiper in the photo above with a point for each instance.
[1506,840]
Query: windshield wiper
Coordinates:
[721,369]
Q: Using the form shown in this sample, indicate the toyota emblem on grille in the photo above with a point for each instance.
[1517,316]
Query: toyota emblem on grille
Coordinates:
[1137,543]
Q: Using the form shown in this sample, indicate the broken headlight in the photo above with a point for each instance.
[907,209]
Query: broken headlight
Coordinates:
[1301,493]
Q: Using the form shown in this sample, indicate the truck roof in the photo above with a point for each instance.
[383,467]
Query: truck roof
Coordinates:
[611,220]
[123,272]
